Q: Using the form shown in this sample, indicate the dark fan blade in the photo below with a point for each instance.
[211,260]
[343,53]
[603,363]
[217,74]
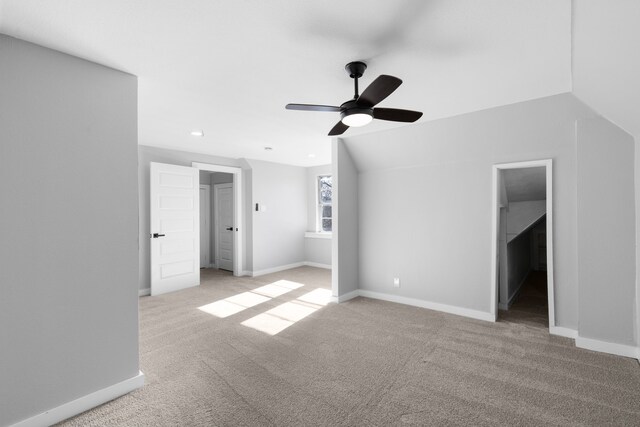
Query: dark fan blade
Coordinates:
[338,129]
[396,115]
[378,90]
[311,107]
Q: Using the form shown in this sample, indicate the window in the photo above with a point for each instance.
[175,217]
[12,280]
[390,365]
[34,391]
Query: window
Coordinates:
[324,203]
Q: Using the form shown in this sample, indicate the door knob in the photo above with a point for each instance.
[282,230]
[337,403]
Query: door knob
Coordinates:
[229,228]
[156,235]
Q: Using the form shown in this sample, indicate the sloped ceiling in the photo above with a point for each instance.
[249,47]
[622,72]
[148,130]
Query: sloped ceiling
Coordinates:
[606,59]
[229,67]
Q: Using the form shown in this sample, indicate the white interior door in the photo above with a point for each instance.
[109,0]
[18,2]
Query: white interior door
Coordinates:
[175,228]
[205,226]
[223,205]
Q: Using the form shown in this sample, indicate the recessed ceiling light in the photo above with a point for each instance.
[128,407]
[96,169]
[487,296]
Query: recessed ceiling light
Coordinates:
[268,148]
[197,132]
[311,156]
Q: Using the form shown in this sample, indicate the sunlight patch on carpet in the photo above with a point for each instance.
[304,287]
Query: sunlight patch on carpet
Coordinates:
[279,318]
[278,288]
[234,304]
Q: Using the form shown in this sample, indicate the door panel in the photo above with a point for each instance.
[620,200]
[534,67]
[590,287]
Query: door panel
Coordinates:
[225,226]
[175,206]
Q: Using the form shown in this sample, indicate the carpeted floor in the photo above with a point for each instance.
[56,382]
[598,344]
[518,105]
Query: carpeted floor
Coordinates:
[362,362]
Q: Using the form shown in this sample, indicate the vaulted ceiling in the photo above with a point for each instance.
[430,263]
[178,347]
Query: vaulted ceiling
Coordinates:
[229,67]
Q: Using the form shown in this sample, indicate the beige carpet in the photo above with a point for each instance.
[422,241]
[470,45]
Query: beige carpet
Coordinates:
[363,362]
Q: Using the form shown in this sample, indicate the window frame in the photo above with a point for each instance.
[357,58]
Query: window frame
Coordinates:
[320,205]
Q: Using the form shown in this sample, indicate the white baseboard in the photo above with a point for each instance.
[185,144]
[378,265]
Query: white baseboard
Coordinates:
[276,269]
[563,332]
[317,265]
[144,292]
[608,347]
[84,403]
[346,297]
[460,311]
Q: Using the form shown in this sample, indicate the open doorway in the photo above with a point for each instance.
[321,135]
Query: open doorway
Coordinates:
[216,220]
[522,270]
[221,188]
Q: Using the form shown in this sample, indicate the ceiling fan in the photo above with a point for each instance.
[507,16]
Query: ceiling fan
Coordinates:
[360,110]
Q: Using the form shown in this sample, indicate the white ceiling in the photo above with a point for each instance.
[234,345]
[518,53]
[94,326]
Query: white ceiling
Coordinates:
[229,67]
[525,184]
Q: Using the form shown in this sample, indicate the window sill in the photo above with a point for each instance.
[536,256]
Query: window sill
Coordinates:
[314,235]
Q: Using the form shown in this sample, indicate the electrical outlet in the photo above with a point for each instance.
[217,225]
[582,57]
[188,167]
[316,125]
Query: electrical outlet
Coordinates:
[396,282]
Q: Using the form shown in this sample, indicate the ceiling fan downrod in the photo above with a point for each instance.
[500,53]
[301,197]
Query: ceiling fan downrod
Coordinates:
[355,70]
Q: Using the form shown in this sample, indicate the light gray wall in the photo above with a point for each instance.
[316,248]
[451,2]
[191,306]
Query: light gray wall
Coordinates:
[606,232]
[278,233]
[152,154]
[221,178]
[435,183]
[68,257]
[519,262]
[345,247]
[205,177]
[605,59]
[317,250]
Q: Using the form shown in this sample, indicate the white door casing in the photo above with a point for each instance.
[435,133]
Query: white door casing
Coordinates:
[175,220]
[496,169]
[223,206]
[205,226]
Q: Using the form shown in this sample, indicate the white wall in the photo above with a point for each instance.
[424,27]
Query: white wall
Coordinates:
[278,232]
[606,232]
[434,181]
[345,245]
[152,154]
[68,257]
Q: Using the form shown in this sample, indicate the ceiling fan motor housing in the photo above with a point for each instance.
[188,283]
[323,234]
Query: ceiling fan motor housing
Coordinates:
[351,108]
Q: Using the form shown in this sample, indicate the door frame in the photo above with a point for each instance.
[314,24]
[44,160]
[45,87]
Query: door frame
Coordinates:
[216,219]
[207,188]
[495,218]
[238,199]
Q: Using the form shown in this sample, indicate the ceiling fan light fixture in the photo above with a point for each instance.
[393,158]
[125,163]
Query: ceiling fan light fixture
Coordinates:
[356,118]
